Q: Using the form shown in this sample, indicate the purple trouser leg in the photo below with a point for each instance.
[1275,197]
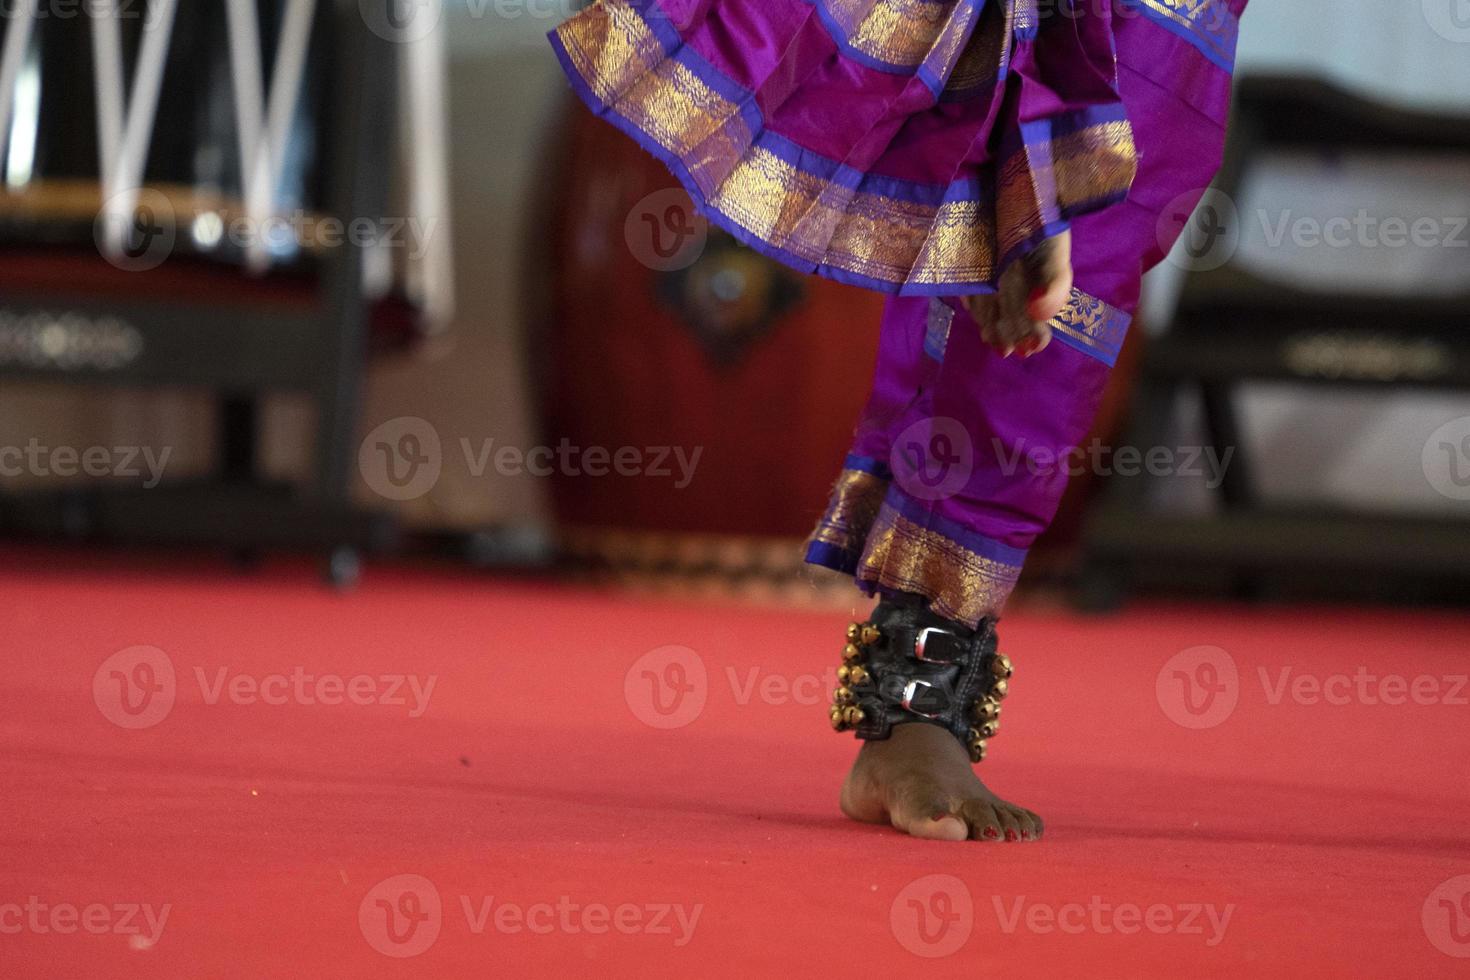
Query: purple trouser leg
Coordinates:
[961,456]
[920,150]
[958,463]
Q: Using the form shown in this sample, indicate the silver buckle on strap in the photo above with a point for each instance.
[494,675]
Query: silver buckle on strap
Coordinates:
[922,641]
[908,699]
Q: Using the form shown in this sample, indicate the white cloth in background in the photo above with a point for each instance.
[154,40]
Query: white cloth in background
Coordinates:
[1412,52]
[1351,448]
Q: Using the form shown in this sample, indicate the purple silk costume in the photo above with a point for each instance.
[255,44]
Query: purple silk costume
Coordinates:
[918,147]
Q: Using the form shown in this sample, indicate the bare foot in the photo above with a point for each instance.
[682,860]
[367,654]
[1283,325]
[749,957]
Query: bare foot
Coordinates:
[1031,292]
[920,780]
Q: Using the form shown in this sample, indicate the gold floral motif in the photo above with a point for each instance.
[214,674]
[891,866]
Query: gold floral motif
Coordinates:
[1092,322]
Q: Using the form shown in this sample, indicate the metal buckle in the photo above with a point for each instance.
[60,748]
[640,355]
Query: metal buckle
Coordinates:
[909,691]
[922,640]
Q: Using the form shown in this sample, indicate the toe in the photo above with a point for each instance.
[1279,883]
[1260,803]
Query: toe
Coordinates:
[1029,823]
[942,827]
[920,809]
[982,820]
[1010,827]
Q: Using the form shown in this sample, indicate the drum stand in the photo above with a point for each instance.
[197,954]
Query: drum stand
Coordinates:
[198,323]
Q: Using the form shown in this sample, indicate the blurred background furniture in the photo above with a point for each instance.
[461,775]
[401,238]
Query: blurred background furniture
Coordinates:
[122,266]
[551,308]
[1233,325]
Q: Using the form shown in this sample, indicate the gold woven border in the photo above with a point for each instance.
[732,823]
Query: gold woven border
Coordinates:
[856,498]
[1091,164]
[959,584]
[878,237]
[1209,20]
[988,54]
[881,238]
[901,33]
[1025,14]
[611,46]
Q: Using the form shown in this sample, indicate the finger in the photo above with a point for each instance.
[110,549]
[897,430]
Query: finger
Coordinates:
[983,310]
[1012,324]
[1048,272]
[1039,340]
[988,310]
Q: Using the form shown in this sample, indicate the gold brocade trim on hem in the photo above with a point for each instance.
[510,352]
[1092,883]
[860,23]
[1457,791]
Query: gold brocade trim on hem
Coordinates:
[868,234]
[814,222]
[959,584]
[987,58]
[856,499]
[612,47]
[1093,164]
[902,33]
[881,238]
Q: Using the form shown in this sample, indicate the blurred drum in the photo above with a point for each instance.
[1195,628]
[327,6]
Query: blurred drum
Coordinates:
[210,86]
[671,343]
[717,388]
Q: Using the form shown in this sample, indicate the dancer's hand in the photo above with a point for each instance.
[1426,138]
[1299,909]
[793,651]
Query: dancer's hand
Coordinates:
[1032,291]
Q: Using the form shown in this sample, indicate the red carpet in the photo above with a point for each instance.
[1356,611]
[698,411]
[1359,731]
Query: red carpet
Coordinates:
[552,831]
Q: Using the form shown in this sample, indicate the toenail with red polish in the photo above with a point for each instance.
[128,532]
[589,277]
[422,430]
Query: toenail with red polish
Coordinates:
[1011,835]
[1025,835]
[992,833]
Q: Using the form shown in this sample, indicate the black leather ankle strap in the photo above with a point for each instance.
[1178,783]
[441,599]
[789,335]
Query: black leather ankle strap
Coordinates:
[908,665]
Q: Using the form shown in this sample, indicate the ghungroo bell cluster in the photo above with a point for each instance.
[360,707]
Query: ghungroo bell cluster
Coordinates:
[845,712]
[907,665]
